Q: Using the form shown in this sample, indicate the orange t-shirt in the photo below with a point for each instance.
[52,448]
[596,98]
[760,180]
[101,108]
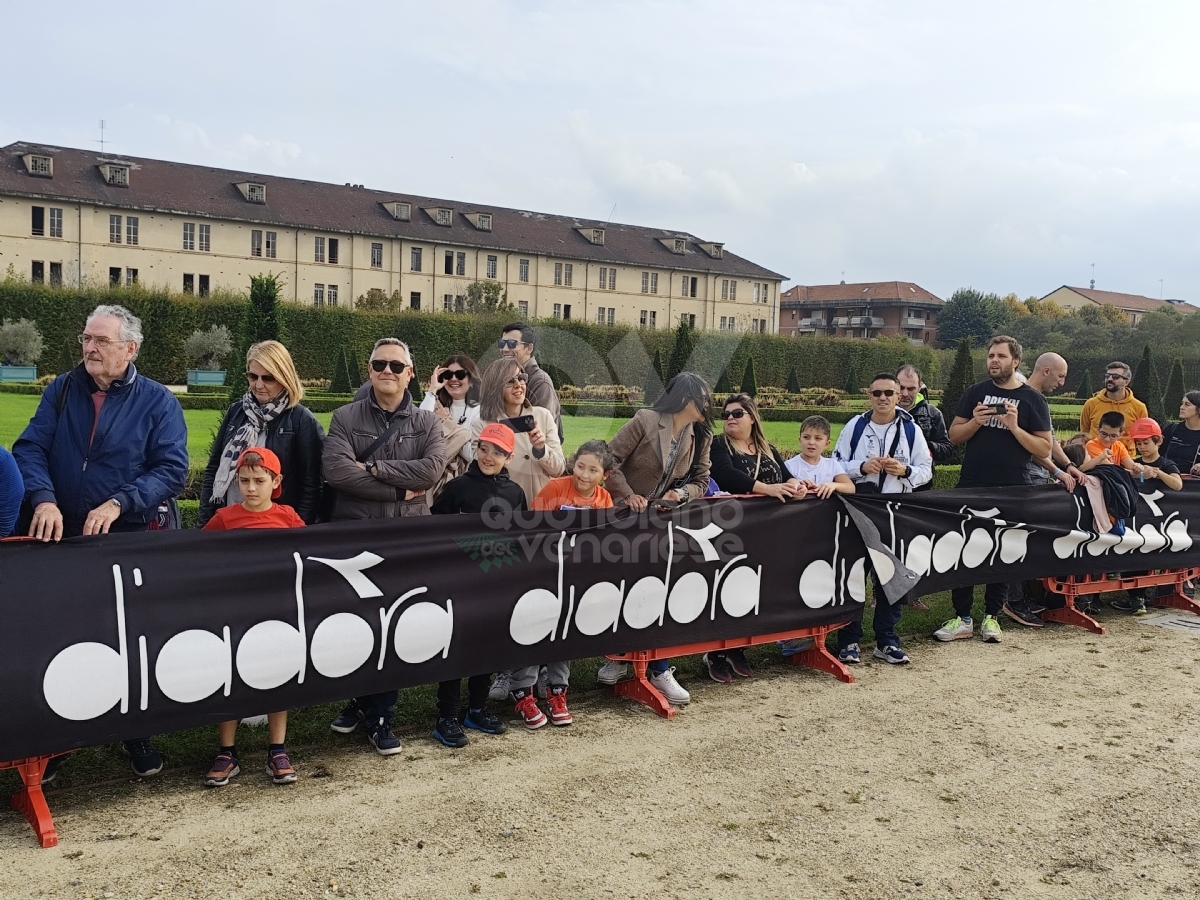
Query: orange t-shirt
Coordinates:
[560,492]
[1119,453]
[237,516]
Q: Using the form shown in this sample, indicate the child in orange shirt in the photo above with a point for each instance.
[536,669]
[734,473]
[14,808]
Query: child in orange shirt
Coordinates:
[1107,449]
[260,481]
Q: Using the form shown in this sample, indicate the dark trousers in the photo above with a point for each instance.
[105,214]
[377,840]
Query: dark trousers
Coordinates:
[377,706]
[994,596]
[449,695]
[887,615]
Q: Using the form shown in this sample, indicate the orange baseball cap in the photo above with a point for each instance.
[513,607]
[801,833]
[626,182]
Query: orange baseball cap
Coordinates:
[500,435]
[1144,428]
[270,462]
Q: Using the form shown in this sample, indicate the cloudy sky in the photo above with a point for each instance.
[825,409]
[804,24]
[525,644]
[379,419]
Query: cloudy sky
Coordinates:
[1006,146]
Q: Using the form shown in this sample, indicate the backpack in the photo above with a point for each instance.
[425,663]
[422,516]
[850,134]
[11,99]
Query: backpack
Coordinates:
[860,425]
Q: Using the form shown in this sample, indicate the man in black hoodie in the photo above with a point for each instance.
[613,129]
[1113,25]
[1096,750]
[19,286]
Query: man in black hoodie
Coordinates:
[485,487]
[927,416]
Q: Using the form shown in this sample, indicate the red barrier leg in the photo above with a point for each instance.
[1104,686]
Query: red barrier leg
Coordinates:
[1069,615]
[818,657]
[1178,599]
[31,802]
[640,689]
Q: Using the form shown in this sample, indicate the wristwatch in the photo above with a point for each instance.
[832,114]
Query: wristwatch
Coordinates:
[907,472]
[115,502]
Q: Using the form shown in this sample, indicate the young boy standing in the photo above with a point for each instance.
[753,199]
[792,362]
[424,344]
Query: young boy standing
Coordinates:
[485,486]
[260,482]
[818,473]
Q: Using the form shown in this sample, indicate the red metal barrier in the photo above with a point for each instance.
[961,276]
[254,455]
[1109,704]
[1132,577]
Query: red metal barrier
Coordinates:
[30,801]
[640,689]
[1074,586]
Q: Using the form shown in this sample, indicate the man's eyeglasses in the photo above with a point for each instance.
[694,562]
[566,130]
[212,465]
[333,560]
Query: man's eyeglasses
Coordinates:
[883,393]
[1114,376]
[101,342]
[519,378]
[733,413]
[265,379]
[395,365]
[456,374]
[508,344]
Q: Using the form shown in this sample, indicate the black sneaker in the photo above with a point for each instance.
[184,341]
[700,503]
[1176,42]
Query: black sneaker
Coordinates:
[1088,605]
[1133,605]
[450,733]
[738,662]
[348,719]
[52,765]
[483,720]
[717,668]
[382,739]
[1020,612]
[143,758]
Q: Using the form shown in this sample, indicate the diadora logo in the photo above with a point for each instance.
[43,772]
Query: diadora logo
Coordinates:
[492,550]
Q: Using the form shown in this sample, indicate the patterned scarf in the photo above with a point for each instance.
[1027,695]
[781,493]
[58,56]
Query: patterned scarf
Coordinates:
[249,434]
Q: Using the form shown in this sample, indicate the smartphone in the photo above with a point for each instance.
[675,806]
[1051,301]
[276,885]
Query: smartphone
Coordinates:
[520,424]
[999,409]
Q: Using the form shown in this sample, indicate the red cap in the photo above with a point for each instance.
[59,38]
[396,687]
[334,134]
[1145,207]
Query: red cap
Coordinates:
[1144,428]
[500,435]
[270,462]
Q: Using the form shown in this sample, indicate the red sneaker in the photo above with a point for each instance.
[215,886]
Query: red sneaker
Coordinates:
[528,710]
[557,701]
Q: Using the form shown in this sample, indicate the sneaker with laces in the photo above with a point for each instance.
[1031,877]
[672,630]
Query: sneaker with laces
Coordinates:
[1133,605]
[794,646]
[279,767]
[381,738]
[892,655]
[450,733]
[849,654]
[990,630]
[956,629]
[718,669]
[557,701]
[348,719]
[224,767]
[527,708]
[612,671]
[738,662]
[484,720]
[52,764]
[1020,611]
[499,688]
[143,758]
[665,684]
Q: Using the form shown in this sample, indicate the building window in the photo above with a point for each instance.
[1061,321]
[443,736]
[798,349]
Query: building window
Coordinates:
[756,292]
[114,229]
[724,288]
[687,286]
[447,302]
[680,245]
[732,289]
[377,256]
[600,315]
[37,272]
[415,259]
[523,309]
[118,175]
[331,294]
[319,249]
[205,238]
[449,268]
[443,217]
[485,222]
[131,230]
[38,225]
[130,277]
[558,310]
[567,270]
[255,242]
[460,264]
[654,282]
[597,236]
[645,282]
[721,326]
[612,279]
[203,286]
[272,244]
[318,295]
[603,277]
[653,319]
[688,319]
[558,273]
[40,165]
[56,274]
[606,316]
[460,303]
[56,224]
[256,193]
[648,318]
[189,284]
[523,270]
[114,275]
[491,267]
[566,312]
[401,211]
[643,318]
[333,252]
[414,300]
[189,236]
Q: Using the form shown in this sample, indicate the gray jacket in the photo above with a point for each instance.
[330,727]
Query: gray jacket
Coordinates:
[539,390]
[411,459]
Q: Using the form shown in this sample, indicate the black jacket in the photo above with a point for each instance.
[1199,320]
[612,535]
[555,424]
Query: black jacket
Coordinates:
[729,477]
[474,492]
[296,437]
[933,425]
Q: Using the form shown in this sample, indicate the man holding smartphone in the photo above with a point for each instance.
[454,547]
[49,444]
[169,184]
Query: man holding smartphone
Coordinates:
[1004,424]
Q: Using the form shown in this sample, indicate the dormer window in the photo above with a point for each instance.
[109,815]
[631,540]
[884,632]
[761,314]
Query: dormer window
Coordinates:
[441,216]
[483,221]
[253,191]
[597,236]
[713,250]
[680,246]
[399,210]
[39,166]
[117,176]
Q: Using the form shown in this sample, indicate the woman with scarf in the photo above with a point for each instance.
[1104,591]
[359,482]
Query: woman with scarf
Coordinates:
[269,415]
[453,394]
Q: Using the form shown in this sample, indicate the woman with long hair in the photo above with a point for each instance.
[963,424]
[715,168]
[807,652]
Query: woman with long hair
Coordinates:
[1181,440]
[743,460]
[453,393]
[268,415]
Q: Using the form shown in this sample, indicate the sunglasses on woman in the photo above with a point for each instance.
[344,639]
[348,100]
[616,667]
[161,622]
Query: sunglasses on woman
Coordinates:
[456,374]
[519,378]
[265,379]
[733,413]
[395,365]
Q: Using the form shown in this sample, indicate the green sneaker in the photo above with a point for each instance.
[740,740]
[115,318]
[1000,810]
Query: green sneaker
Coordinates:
[990,630]
[956,629]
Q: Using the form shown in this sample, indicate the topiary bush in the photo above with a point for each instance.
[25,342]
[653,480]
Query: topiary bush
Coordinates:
[21,343]
[209,349]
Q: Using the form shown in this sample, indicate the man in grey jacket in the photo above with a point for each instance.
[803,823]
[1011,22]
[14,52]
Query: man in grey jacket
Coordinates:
[516,342]
[386,482]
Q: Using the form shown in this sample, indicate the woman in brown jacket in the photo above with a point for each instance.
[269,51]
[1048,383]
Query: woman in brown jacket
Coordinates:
[662,454]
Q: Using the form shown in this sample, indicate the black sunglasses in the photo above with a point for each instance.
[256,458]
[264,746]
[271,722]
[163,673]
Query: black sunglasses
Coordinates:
[1113,376]
[265,379]
[732,413]
[883,393]
[509,343]
[395,365]
[456,374]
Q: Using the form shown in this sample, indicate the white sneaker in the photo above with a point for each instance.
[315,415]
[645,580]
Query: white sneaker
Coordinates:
[956,629]
[990,630]
[612,671]
[499,688]
[665,684]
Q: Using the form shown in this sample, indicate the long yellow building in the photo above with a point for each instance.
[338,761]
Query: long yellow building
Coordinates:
[72,216]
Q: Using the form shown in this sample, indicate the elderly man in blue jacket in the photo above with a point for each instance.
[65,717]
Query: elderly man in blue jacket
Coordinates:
[104,449]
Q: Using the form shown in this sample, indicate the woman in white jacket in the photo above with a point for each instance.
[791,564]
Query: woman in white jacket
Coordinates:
[453,393]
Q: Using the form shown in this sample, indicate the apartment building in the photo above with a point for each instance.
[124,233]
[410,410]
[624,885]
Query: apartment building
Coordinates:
[1133,305]
[70,216]
[875,309]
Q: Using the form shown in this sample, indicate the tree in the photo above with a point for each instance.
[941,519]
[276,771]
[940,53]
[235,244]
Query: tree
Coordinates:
[749,382]
[1175,388]
[793,381]
[341,376]
[377,300]
[852,386]
[961,377]
[67,359]
[723,385]
[681,351]
[654,379]
[1085,386]
[1149,389]
[260,322]
[209,349]
[971,314]
[353,370]
[485,298]
[20,343]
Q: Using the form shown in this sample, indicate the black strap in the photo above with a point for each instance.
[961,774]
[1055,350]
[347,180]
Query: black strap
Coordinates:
[379,441]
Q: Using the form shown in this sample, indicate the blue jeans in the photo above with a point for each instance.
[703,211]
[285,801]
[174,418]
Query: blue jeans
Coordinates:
[657,666]
[887,615]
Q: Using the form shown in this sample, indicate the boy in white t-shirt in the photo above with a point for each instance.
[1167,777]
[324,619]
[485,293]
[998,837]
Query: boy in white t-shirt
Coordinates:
[819,474]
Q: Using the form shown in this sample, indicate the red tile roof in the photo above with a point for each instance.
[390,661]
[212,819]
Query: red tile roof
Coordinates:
[874,291]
